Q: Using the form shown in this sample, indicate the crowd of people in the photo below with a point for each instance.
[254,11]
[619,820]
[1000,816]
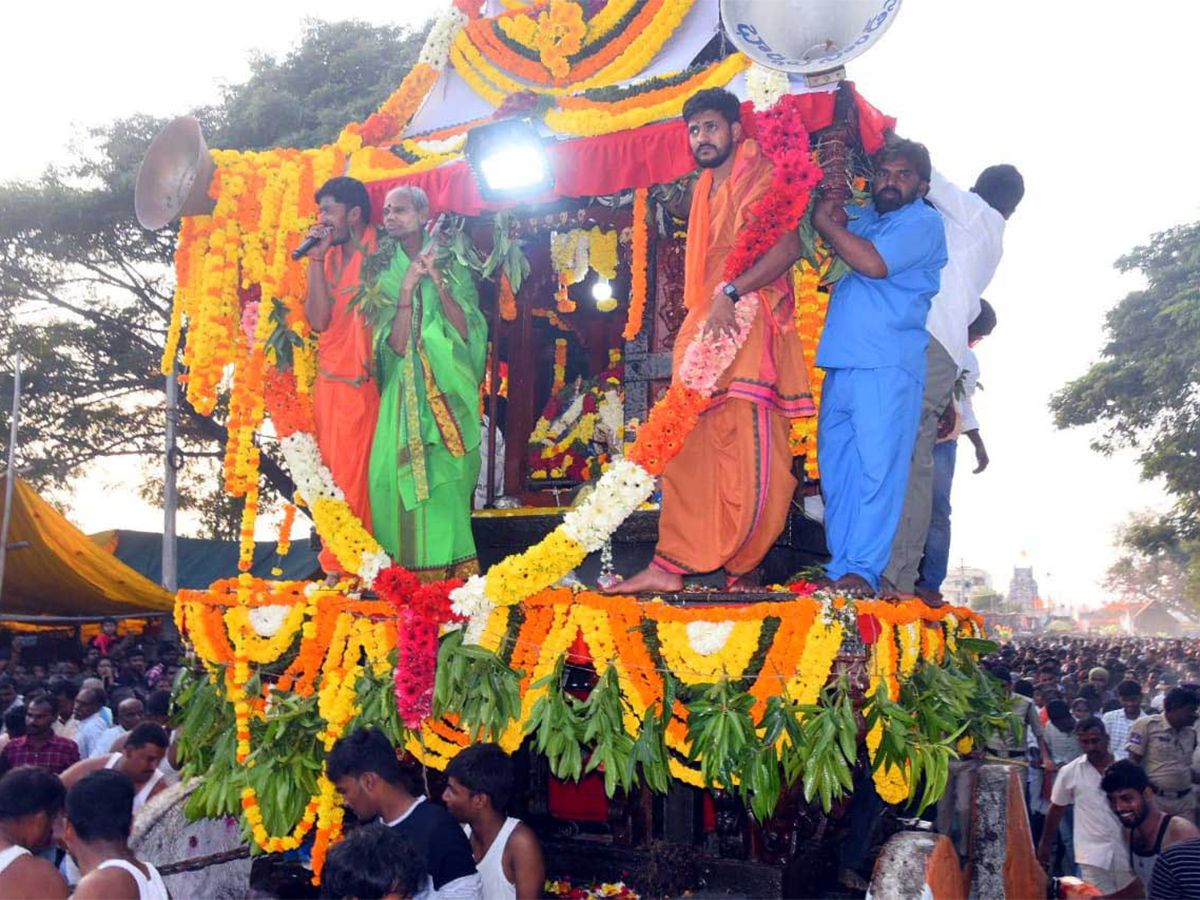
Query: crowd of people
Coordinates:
[1107,730]
[85,744]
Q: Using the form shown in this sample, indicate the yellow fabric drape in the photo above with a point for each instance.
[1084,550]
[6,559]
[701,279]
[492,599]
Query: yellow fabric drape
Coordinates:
[64,572]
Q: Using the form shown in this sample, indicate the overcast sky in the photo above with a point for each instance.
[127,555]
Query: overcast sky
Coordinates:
[1092,101]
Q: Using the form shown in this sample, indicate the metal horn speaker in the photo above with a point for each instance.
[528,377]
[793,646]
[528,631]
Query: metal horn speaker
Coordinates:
[175,176]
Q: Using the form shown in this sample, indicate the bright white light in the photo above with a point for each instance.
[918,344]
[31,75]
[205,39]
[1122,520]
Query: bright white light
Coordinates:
[601,290]
[512,167]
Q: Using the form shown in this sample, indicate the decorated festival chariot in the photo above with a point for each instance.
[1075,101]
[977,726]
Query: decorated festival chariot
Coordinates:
[658,718]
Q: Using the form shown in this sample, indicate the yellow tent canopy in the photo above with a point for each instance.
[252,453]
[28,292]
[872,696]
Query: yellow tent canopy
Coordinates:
[64,572]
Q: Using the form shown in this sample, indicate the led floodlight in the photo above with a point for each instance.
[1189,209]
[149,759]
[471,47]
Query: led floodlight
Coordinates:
[508,160]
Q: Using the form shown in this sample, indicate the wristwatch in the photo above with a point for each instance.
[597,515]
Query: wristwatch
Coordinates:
[731,292]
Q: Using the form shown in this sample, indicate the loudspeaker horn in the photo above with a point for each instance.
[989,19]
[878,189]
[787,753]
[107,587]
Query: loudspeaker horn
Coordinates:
[175,176]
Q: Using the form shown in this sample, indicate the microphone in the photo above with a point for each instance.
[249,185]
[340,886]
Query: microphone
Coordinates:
[308,243]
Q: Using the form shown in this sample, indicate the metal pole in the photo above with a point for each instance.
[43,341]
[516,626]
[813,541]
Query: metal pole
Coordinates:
[493,393]
[11,474]
[170,565]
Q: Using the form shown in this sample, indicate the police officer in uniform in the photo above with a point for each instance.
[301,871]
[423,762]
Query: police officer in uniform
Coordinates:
[1163,745]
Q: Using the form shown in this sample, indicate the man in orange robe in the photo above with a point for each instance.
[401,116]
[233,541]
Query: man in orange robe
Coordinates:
[346,396]
[725,496]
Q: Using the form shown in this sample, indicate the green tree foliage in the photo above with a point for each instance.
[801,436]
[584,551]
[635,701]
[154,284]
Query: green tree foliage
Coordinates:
[987,601]
[85,292]
[1153,564]
[1143,391]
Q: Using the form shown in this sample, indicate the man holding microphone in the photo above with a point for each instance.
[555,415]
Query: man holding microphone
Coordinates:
[346,396]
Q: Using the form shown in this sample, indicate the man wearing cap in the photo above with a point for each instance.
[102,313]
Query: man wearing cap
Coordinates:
[1098,678]
[1163,744]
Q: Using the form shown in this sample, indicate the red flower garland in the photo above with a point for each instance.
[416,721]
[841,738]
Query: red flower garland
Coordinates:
[784,141]
[423,609]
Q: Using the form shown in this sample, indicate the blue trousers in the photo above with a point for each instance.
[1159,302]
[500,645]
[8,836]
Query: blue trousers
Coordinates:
[865,438]
[937,543]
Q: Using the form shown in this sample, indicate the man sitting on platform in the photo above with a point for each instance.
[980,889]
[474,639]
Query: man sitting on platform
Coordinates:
[725,496]
[425,458]
[873,352]
[345,397]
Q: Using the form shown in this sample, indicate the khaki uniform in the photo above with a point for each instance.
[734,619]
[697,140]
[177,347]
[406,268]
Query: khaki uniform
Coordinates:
[1025,720]
[1166,755]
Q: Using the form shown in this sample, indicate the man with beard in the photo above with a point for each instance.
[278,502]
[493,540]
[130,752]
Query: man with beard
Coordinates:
[873,352]
[425,458]
[1097,832]
[40,746]
[1150,831]
[738,452]
[345,397]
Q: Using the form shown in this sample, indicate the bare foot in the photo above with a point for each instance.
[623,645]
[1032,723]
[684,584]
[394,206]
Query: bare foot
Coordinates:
[647,580]
[746,582]
[930,597]
[851,583]
[888,591]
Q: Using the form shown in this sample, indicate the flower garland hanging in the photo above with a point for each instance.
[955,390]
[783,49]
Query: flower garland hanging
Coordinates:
[560,365]
[638,265]
[507,299]
[812,305]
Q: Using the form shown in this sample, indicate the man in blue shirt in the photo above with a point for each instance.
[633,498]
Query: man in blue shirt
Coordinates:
[873,352]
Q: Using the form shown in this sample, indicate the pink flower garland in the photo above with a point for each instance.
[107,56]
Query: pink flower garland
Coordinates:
[708,356]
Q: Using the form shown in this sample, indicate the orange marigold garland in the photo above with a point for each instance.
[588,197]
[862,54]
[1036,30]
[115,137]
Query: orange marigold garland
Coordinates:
[507,300]
[638,265]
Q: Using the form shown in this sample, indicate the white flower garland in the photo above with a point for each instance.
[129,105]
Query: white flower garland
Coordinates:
[448,145]
[436,51]
[620,490]
[765,86]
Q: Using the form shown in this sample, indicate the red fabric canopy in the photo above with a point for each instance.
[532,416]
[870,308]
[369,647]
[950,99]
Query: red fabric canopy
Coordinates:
[609,163]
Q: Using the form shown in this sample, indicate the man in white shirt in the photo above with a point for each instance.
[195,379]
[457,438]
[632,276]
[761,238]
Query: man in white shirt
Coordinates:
[1119,722]
[1097,832]
[88,704]
[974,222]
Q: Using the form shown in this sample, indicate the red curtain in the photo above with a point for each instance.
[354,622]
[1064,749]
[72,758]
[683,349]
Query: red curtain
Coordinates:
[608,163]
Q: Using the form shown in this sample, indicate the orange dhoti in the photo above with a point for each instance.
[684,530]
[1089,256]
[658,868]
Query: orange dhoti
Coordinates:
[346,396]
[725,496]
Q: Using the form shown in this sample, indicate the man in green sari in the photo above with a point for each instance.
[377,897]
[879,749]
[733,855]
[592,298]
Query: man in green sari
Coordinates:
[431,345]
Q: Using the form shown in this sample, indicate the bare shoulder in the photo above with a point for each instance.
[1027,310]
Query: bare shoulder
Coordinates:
[81,768]
[523,840]
[33,878]
[106,884]
[1180,829]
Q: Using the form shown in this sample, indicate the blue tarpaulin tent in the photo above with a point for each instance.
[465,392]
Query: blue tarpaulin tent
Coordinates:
[201,562]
